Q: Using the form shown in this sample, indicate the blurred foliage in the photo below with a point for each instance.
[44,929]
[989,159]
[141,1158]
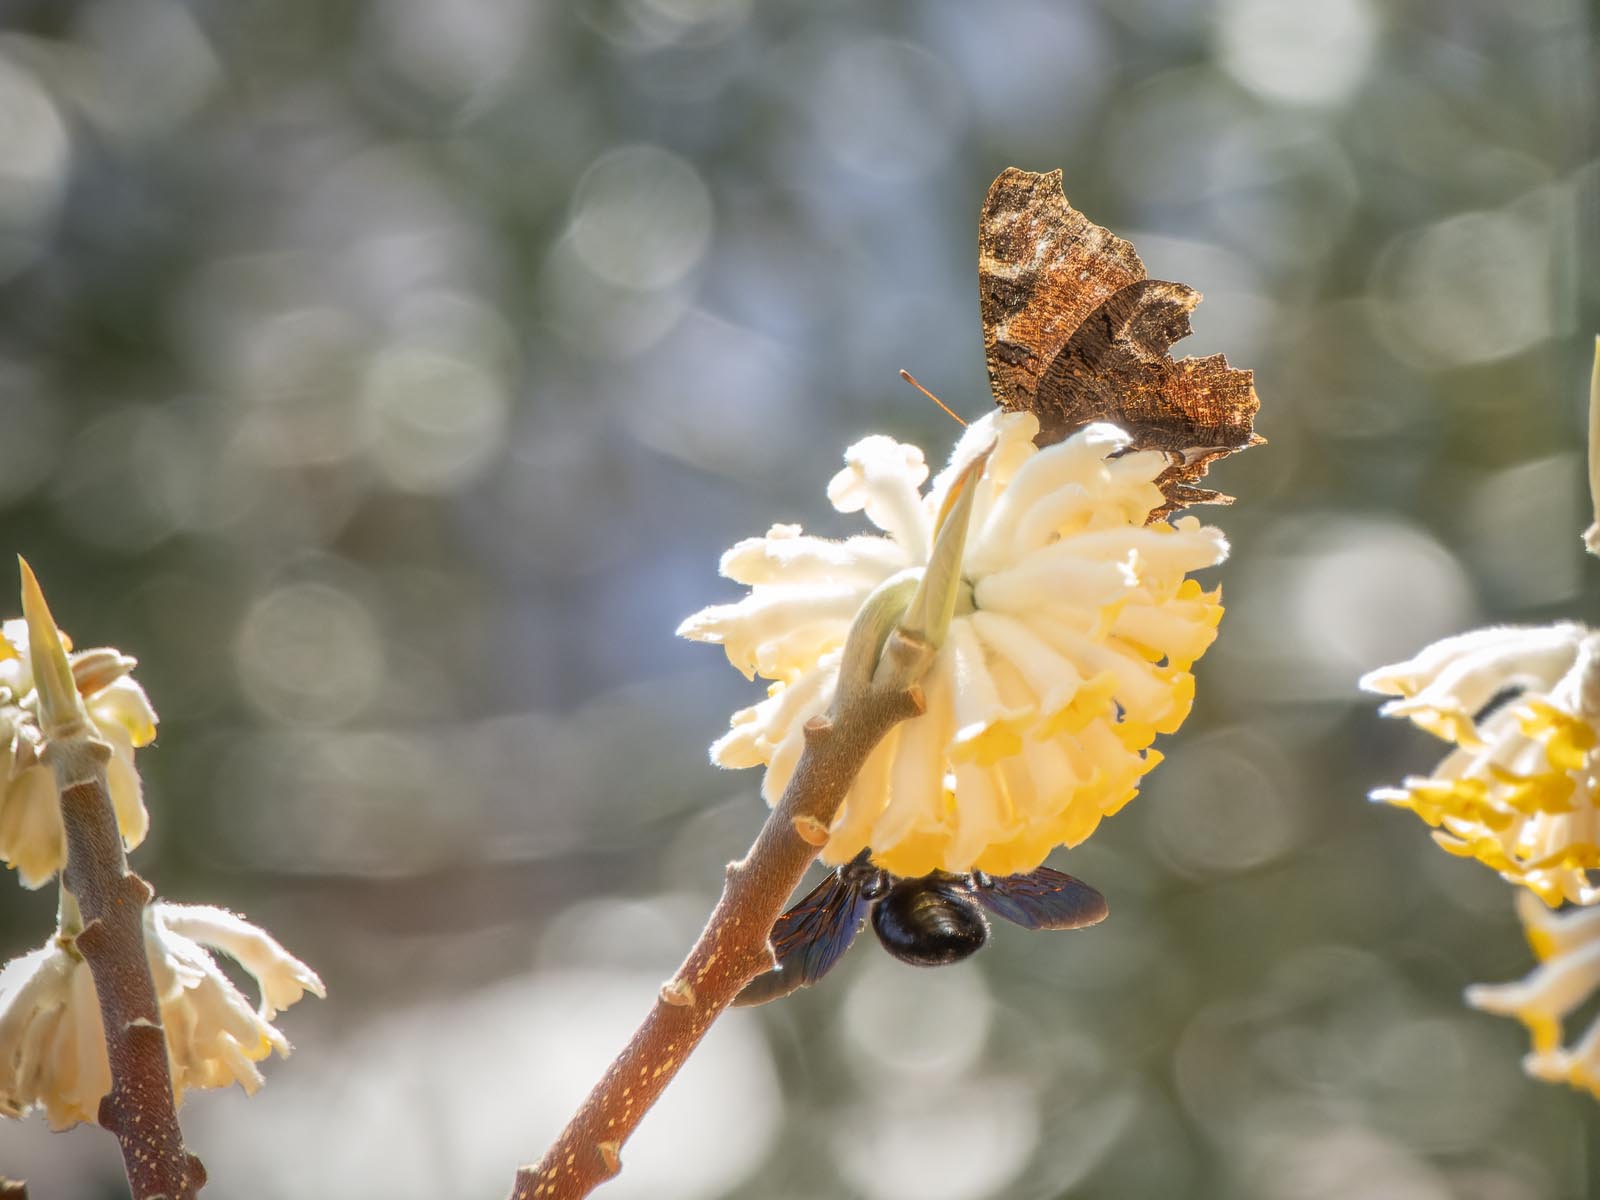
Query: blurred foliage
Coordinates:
[389,376]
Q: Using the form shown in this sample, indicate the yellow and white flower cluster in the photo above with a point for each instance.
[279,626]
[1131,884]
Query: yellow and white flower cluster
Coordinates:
[31,836]
[1518,792]
[1074,632]
[52,1042]
[1521,793]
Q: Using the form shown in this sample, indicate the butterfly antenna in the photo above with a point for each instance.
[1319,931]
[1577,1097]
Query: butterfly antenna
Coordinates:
[912,380]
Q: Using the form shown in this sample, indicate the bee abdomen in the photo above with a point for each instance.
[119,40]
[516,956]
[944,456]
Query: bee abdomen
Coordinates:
[929,923]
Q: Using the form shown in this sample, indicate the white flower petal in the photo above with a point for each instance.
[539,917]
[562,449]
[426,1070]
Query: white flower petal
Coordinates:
[1052,677]
[786,556]
[1551,933]
[1531,656]
[917,783]
[283,978]
[1050,489]
[32,838]
[1054,575]
[984,815]
[1007,438]
[881,479]
[865,800]
[123,705]
[1551,991]
[777,632]
[987,726]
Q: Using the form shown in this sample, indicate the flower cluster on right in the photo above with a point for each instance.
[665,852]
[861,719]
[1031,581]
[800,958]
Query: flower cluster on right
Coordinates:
[1520,793]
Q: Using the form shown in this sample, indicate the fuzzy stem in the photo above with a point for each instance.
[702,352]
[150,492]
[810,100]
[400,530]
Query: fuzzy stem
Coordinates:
[734,948]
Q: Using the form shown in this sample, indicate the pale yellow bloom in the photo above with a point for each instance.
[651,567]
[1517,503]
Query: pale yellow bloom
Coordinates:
[1070,650]
[52,1042]
[1519,791]
[32,839]
[1568,947]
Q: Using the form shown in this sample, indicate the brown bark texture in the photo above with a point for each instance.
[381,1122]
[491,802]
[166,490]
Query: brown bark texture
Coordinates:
[139,1110]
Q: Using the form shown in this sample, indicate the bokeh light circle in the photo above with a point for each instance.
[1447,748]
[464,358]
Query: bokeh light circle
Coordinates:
[309,653]
[1315,54]
[641,218]
[435,420]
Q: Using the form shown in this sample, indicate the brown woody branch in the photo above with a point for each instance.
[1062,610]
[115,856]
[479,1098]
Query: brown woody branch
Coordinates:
[733,948]
[139,1109]
[13,1189]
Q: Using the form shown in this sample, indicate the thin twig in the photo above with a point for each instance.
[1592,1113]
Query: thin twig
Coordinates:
[733,948]
[139,1109]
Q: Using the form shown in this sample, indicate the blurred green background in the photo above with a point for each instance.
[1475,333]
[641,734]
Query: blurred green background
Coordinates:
[389,376]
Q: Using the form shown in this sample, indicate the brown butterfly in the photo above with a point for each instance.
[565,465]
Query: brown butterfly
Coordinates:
[1075,332]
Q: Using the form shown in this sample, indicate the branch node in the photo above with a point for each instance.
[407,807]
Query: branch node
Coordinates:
[810,830]
[919,700]
[135,890]
[678,993]
[905,647]
[93,938]
[817,728]
[611,1155]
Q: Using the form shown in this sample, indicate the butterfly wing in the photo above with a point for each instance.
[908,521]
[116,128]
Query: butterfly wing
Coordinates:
[1043,269]
[1074,332]
[1041,899]
[810,937]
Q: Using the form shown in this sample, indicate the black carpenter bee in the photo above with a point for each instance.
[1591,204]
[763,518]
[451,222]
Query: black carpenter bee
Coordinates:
[927,921]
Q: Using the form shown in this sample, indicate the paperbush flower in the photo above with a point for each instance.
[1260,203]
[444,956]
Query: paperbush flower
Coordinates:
[52,1042]
[1568,947]
[31,835]
[1518,792]
[1070,650]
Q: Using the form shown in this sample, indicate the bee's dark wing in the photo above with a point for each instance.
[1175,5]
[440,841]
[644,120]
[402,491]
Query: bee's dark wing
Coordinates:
[810,937]
[1041,899]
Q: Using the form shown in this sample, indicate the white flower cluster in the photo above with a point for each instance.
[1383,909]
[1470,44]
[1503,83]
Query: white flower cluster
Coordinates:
[1518,792]
[53,1053]
[31,836]
[1075,627]
[52,1042]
